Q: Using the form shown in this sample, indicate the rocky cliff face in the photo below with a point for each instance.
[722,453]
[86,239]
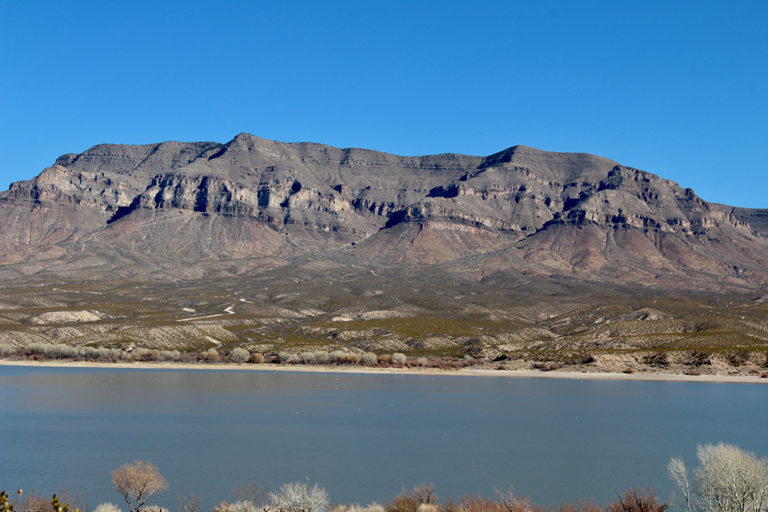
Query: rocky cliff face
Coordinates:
[174,208]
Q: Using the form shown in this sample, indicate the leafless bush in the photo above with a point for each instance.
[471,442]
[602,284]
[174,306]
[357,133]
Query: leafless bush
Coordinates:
[628,370]
[385,359]
[512,502]
[190,503]
[238,506]
[154,508]
[107,507]
[474,504]
[138,482]
[371,507]
[64,500]
[582,506]
[633,500]
[254,493]
[299,497]
[239,355]
[409,501]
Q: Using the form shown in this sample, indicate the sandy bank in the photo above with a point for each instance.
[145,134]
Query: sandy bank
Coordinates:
[469,372]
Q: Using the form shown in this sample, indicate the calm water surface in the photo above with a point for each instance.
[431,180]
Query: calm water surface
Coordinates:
[362,437]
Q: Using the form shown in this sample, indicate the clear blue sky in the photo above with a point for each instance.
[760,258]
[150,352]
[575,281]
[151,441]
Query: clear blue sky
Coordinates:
[679,88]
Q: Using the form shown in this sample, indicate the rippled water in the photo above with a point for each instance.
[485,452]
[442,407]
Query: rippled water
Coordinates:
[362,437]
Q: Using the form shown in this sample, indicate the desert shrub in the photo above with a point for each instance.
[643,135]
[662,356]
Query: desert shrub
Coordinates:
[257,358]
[334,355]
[307,357]
[6,350]
[65,351]
[628,370]
[692,371]
[347,358]
[239,355]
[657,359]
[398,358]
[284,357]
[547,366]
[37,349]
[139,353]
[299,497]
[737,358]
[385,359]
[107,507]
[699,358]
[170,355]
[211,355]
[421,361]
[369,359]
[764,375]
[633,500]
[322,357]
[88,352]
[727,479]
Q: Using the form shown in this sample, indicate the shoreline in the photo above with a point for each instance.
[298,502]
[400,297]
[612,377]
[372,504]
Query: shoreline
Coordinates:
[467,372]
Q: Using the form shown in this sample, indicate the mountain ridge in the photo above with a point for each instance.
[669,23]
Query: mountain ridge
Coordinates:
[209,206]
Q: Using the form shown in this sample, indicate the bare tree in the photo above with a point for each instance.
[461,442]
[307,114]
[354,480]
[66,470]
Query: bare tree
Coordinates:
[138,482]
[253,492]
[727,479]
[299,497]
[189,503]
[512,502]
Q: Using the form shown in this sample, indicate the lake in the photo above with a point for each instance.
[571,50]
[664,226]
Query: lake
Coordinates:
[363,437]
